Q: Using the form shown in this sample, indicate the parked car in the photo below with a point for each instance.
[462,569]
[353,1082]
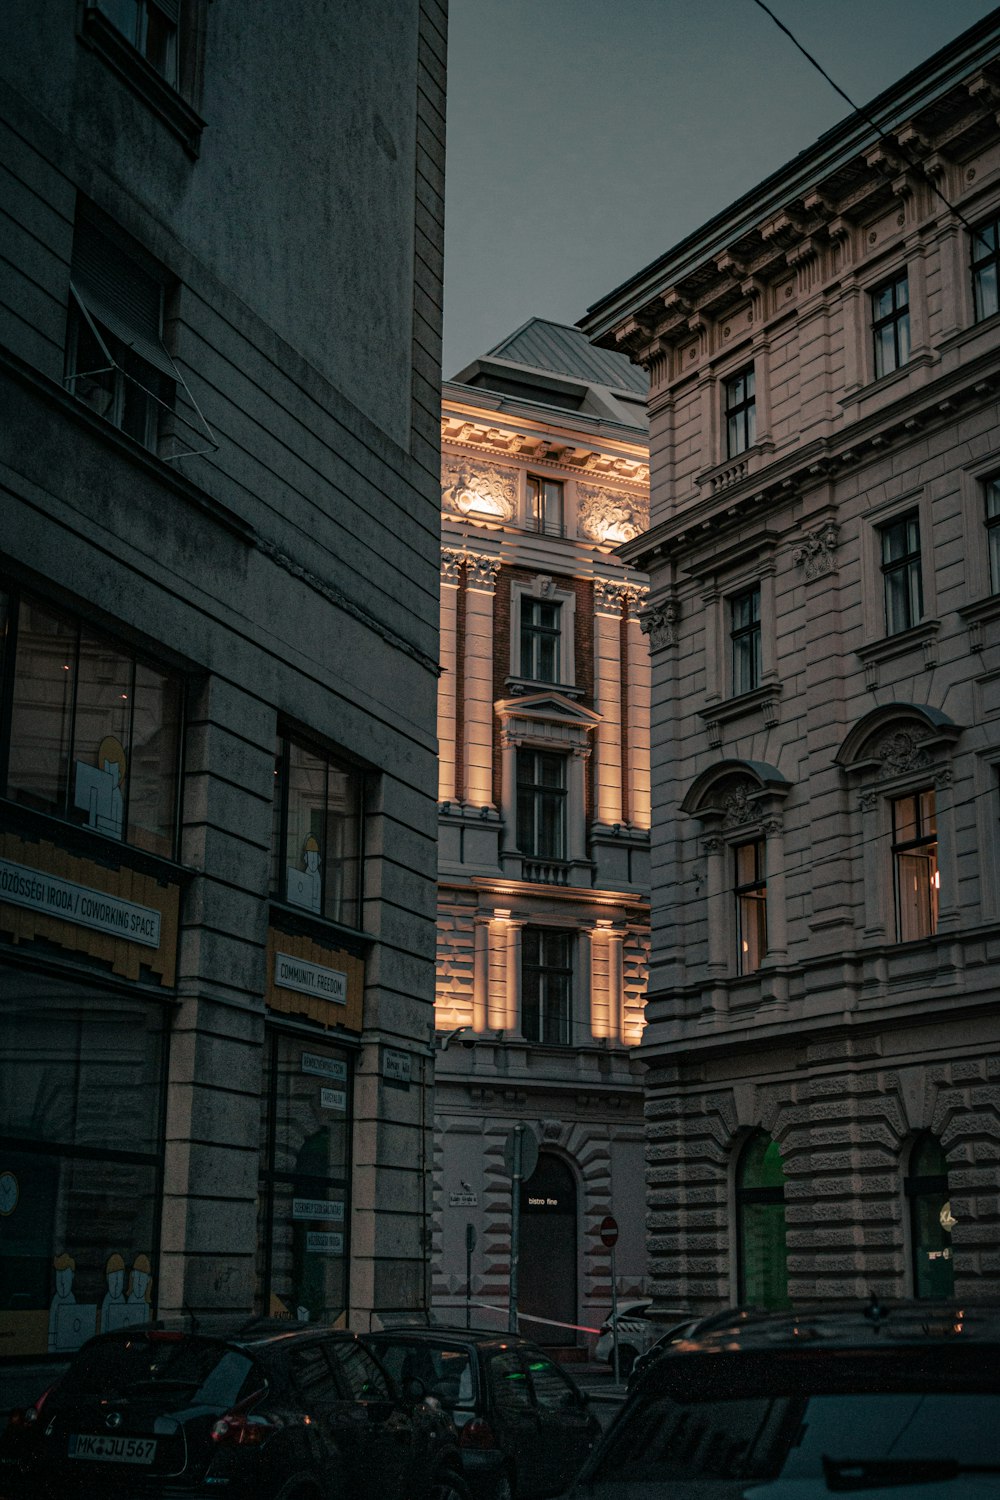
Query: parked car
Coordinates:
[638,1331]
[524,1426]
[900,1399]
[290,1415]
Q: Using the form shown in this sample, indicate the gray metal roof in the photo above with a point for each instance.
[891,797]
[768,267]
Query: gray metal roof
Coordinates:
[542,345]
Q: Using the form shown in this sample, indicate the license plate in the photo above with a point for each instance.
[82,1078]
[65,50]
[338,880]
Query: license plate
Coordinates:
[115,1450]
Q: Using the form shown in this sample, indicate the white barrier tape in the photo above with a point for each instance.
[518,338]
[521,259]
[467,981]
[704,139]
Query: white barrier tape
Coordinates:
[530,1318]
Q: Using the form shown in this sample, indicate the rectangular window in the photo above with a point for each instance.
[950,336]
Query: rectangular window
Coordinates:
[744,632]
[986,269]
[751,905]
[993,531]
[901,573]
[540,633]
[541,804]
[318,832]
[115,359]
[545,505]
[891,325]
[95,731]
[546,986]
[150,26]
[740,413]
[914,857]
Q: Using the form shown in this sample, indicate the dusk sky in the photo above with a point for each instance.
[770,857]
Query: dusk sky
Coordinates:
[586,138]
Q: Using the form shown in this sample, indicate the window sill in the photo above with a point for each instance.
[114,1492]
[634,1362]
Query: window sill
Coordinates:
[765,698]
[886,382]
[975,616]
[891,646]
[519,686]
[298,922]
[97,32]
[85,843]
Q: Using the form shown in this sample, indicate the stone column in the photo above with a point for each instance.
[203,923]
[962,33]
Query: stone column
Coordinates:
[576,811]
[639,701]
[616,986]
[513,976]
[481,580]
[585,986]
[777,912]
[481,975]
[719,926]
[447,712]
[608,696]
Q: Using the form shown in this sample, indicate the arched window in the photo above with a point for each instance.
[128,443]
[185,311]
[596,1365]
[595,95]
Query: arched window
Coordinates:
[931,1222]
[762,1256]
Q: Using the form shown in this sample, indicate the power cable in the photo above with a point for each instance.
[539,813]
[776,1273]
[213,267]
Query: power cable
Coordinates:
[895,145]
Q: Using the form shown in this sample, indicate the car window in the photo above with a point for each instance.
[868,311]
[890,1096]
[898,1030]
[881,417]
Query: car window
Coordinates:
[362,1377]
[553,1391]
[509,1384]
[214,1374]
[443,1372]
[311,1373]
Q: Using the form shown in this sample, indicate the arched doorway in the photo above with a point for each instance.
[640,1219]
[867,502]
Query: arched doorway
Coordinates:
[762,1256]
[931,1222]
[547,1264]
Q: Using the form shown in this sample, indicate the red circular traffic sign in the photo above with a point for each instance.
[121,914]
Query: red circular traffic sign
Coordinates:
[609,1231]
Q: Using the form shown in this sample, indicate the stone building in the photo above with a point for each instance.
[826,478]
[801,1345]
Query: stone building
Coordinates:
[219,589]
[822,1040]
[543,912]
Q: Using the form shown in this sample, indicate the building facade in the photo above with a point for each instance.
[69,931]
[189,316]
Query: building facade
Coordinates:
[543,909]
[822,1041]
[219,592]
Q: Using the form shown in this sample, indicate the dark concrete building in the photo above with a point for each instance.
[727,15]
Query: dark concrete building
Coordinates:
[219,563]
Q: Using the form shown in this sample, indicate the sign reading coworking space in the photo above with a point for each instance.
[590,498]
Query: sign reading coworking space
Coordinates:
[305,977]
[23,886]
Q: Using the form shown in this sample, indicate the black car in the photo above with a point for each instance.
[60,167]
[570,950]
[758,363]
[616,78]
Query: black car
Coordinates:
[289,1415]
[524,1427]
[900,1400]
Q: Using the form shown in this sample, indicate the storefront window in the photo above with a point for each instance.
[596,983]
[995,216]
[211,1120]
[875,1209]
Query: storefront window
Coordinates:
[79,1182]
[317,832]
[760,1214]
[304,1192]
[95,733]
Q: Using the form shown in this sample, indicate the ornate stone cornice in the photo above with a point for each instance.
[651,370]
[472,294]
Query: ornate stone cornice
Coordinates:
[482,571]
[568,453]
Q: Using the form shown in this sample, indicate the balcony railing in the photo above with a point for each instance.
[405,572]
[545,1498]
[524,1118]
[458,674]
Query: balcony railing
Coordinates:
[545,871]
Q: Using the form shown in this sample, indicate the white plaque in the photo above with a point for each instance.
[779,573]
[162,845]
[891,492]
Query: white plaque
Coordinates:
[298,974]
[396,1067]
[333,1099]
[318,1208]
[79,904]
[324,1242]
[324,1067]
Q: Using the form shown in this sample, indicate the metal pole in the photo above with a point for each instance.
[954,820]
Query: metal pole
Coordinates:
[614,1314]
[515,1225]
[469,1242]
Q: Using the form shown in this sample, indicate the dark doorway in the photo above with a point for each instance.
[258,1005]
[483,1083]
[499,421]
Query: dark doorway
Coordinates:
[547,1268]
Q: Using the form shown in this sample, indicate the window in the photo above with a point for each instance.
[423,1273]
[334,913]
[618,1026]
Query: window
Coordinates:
[931,1222]
[751,906]
[985,266]
[95,731]
[546,986]
[540,639]
[904,599]
[150,26]
[115,360]
[993,531]
[914,857]
[541,804]
[891,325]
[761,1251]
[744,632]
[317,832]
[545,505]
[741,413]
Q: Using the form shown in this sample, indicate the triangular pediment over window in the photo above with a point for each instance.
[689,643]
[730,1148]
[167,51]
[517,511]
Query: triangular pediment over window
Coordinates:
[547,707]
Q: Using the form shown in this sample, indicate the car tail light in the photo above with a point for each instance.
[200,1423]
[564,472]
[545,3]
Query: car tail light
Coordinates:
[238,1428]
[477,1434]
[27,1416]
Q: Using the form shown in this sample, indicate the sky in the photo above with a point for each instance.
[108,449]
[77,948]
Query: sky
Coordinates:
[586,137]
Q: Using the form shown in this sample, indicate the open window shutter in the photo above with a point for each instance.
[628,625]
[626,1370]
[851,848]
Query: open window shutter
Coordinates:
[122,296]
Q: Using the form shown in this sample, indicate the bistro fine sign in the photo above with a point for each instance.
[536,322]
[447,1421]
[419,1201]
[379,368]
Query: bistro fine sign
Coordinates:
[79,904]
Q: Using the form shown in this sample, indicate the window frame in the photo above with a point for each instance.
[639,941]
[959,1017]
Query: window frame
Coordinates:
[545,970]
[903,849]
[534,635]
[991,520]
[751,632]
[536,507]
[758,1196]
[910,563]
[896,319]
[286,737]
[977,263]
[750,896]
[739,405]
[541,792]
[923,1185]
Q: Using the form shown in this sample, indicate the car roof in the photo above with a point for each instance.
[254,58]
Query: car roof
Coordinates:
[481,1337]
[869,1324]
[257,1333]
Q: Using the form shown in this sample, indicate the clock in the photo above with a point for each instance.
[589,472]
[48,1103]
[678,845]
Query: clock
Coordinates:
[9,1193]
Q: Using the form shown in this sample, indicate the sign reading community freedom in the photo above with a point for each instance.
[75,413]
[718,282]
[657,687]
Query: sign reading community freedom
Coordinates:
[310,979]
[79,904]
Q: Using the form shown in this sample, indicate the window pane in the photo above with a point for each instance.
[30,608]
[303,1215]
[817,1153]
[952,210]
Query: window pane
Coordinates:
[342,864]
[764,1261]
[41,716]
[550,827]
[125,15]
[306,832]
[915,873]
[95,382]
[161,43]
[156,740]
[934,1269]
[102,736]
[987,302]
[885,351]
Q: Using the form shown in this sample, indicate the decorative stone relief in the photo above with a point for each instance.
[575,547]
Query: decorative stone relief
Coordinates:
[609,595]
[472,489]
[868,801]
[900,751]
[483,571]
[736,803]
[660,624]
[610,515]
[815,554]
[551,1130]
[451,565]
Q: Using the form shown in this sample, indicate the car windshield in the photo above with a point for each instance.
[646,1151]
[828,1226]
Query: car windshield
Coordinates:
[207,1373]
[781,1421]
[444,1372]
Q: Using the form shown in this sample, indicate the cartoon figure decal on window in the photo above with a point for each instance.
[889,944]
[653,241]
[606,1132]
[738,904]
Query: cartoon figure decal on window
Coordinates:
[98,790]
[138,1308]
[70,1323]
[114,1308]
[305,886]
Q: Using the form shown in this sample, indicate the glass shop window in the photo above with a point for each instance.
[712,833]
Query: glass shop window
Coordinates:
[318,809]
